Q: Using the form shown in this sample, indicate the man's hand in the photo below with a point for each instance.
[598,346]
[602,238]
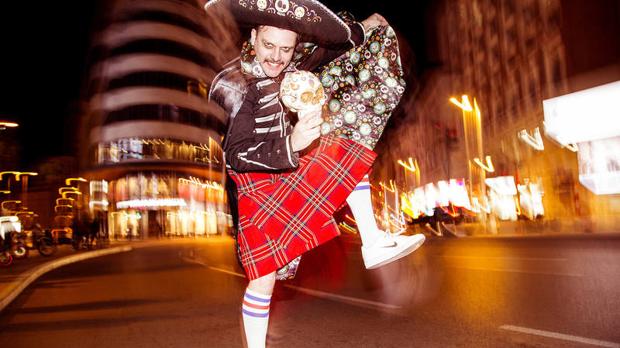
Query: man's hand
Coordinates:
[374,21]
[306,131]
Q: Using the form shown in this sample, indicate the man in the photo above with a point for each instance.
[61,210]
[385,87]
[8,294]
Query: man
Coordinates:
[286,200]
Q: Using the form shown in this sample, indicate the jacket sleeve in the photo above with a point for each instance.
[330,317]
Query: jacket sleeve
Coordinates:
[247,151]
[322,56]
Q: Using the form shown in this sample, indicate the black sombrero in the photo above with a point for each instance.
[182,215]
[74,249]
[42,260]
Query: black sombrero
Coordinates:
[309,18]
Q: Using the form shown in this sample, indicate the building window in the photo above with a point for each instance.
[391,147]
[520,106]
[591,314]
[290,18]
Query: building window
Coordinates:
[165,47]
[160,79]
[164,17]
[132,149]
[166,113]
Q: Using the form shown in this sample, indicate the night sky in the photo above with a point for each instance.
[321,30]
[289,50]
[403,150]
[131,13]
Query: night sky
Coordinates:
[44,56]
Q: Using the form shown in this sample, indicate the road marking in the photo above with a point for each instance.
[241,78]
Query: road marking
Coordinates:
[222,270]
[324,295]
[344,299]
[227,271]
[511,270]
[561,336]
[544,259]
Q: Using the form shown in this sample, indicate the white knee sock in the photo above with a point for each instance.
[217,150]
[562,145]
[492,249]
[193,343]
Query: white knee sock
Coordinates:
[255,310]
[360,203]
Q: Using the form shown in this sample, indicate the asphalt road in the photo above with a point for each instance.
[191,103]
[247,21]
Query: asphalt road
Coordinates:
[474,292]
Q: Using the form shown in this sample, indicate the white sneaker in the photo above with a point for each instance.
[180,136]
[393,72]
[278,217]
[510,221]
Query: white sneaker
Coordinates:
[390,248]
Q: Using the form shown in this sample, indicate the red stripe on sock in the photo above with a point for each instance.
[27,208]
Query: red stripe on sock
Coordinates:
[252,305]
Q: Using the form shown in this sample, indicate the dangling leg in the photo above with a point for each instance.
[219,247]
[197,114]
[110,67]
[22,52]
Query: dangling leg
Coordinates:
[255,310]
[361,206]
[359,108]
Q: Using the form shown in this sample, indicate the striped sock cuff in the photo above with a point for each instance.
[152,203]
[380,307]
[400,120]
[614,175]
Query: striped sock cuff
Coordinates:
[255,304]
[364,184]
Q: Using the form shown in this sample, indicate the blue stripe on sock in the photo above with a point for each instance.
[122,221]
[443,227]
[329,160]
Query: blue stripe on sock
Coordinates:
[256,315]
[257,298]
[362,187]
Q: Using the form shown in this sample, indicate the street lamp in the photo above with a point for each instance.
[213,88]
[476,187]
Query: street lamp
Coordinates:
[18,176]
[64,194]
[411,166]
[6,124]
[465,106]
[4,204]
[68,180]
[8,172]
[472,127]
[67,188]
[488,166]
[61,201]
[63,208]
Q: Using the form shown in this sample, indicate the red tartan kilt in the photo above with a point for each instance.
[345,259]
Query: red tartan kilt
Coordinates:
[283,215]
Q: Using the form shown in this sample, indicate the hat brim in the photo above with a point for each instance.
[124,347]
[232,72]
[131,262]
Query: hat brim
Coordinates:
[313,21]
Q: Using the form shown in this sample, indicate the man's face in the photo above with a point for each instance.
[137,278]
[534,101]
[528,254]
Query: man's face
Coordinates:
[274,48]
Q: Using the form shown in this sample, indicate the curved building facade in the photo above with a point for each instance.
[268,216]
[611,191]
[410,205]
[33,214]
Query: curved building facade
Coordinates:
[153,150]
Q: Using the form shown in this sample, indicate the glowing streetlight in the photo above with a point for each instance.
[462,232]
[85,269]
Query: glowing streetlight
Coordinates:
[411,166]
[463,104]
[8,172]
[63,208]
[64,201]
[68,180]
[488,166]
[6,124]
[67,188]
[392,188]
[7,202]
[64,194]
[18,176]
[465,107]
[534,140]
[472,129]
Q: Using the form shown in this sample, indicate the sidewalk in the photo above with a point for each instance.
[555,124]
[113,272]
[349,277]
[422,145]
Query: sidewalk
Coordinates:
[16,277]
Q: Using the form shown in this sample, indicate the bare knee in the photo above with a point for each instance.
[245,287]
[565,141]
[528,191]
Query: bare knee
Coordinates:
[263,285]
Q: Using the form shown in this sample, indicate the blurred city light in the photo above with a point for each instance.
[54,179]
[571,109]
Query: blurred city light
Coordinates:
[409,165]
[69,180]
[587,121]
[488,166]
[7,124]
[535,140]
[463,104]
[151,203]
[67,189]
[582,116]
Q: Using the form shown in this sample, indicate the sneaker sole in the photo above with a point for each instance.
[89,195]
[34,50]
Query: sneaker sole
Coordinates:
[406,251]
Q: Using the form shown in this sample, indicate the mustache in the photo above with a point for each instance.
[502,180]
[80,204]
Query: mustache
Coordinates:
[274,61]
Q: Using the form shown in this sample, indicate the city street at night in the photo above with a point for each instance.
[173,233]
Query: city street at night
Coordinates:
[427,173]
[468,292]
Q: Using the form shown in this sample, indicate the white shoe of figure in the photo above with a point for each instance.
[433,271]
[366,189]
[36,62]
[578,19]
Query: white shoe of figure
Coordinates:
[390,248]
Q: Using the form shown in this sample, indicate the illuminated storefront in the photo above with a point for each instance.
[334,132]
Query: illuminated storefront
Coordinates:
[143,205]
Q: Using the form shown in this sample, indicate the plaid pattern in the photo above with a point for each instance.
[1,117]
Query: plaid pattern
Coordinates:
[283,215]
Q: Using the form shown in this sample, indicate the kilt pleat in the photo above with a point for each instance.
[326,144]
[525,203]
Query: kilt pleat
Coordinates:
[282,215]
